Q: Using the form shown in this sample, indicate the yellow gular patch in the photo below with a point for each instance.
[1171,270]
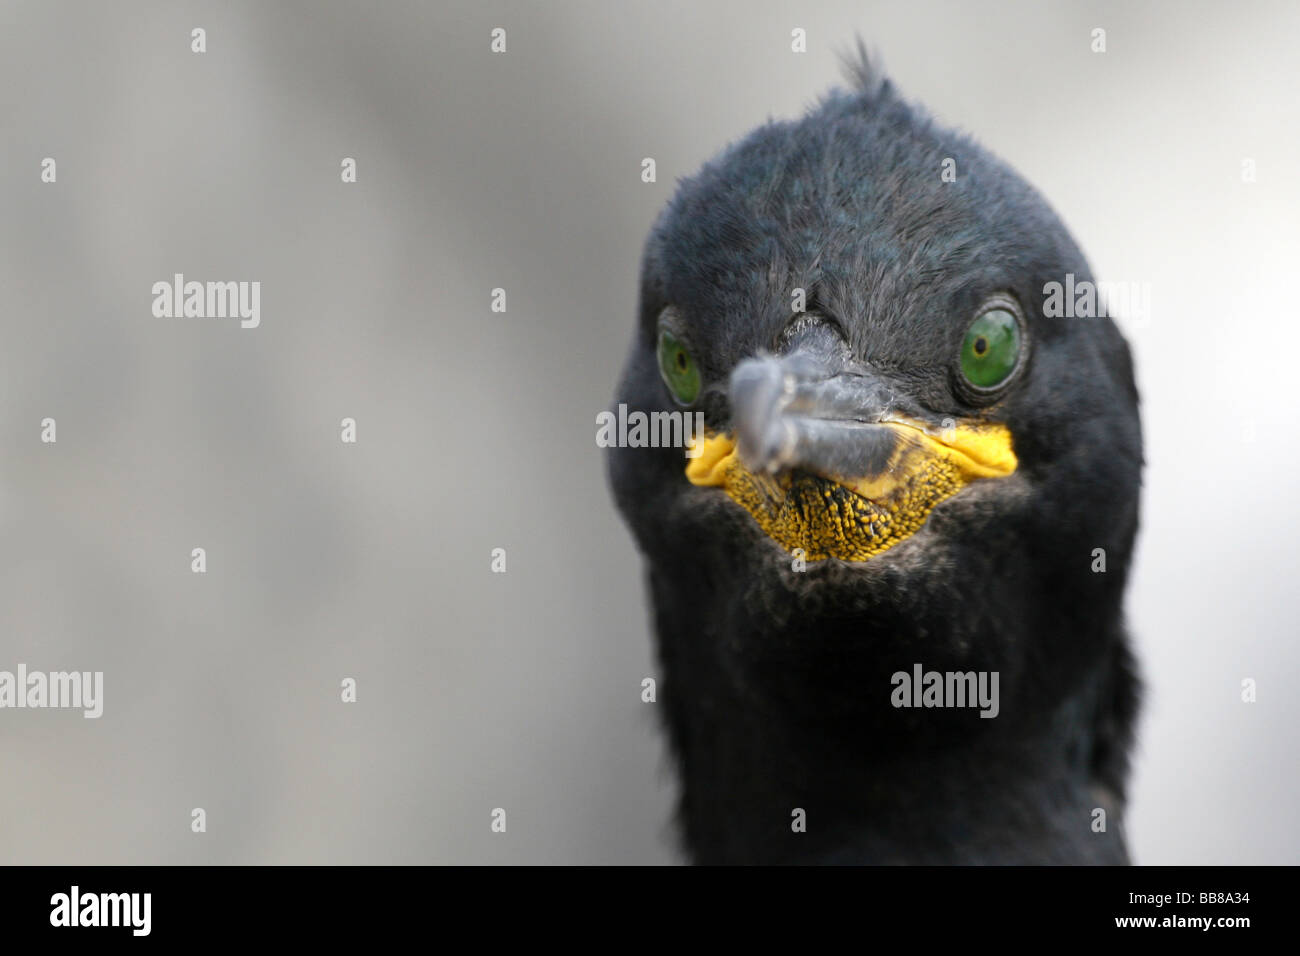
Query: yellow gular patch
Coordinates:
[854,518]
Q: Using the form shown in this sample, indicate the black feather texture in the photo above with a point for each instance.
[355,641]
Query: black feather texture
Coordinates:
[775,683]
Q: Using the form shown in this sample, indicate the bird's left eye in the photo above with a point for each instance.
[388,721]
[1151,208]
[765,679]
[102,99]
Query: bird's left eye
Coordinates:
[679,371]
[991,350]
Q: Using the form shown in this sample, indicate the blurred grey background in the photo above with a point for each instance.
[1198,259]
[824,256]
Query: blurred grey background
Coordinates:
[476,430]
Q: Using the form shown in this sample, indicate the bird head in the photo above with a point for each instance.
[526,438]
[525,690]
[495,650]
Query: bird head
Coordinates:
[904,458]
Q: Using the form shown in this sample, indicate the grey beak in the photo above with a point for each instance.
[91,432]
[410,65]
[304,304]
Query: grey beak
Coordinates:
[813,409]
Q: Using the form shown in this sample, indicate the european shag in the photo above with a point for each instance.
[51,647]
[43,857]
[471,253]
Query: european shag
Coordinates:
[915,489]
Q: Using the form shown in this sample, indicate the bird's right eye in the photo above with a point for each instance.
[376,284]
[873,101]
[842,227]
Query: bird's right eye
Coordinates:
[678,368]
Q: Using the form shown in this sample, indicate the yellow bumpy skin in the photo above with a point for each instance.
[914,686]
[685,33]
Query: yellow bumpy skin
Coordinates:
[855,518]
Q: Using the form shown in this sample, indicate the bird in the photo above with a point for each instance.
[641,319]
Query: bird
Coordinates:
[916,485]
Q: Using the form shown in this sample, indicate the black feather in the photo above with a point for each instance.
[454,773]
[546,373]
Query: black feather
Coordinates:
[776,684]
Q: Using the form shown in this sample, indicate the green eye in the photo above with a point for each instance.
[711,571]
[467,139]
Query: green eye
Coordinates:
[678,368]
[991,349]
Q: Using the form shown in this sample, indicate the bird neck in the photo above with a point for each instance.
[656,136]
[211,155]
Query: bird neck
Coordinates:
[793,747]
[761,790]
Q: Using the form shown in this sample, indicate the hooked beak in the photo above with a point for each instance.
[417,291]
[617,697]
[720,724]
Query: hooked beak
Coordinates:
[830,459]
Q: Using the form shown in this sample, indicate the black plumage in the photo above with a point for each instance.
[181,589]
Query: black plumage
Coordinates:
[776,683]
